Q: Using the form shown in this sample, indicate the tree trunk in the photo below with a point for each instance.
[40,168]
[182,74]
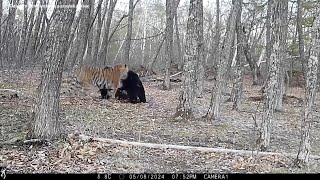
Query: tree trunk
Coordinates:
[127,44]
[47,107]
[103,50]
[282,54]
[32,23]
[8,39]
[300,35]
[169,43]
[82,37]
[144,41]
[200,58]
[216,44]
[216,98]
[272,83]
[191,57]
[1,41]
[98,33]
[175,14]
[236,92]
[310,94]
[252,63]
[23,35]
[268,38]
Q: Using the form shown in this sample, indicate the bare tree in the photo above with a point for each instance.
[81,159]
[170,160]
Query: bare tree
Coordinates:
[200,58]
[96,41]
[282,54]
[35,38]
[191,58]
[216,44]
[127,45]
[103,50]
[82,37]
[272,83]
[23,35]
[9,50]
[1,42]
[310,94]
[215,104]
[175,14]
[236,92]
[300,34]
[47,107]
[169,42]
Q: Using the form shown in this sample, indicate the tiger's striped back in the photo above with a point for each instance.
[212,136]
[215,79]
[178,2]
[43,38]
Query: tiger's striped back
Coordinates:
[108,78]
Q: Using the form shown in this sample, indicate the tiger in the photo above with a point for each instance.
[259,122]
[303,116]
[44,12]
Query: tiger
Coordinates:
[103,78]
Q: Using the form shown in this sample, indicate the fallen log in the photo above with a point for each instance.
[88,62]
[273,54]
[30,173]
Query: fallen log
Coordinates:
[189,148]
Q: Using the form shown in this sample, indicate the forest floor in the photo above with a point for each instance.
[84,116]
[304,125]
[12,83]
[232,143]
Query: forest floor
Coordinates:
[150,122]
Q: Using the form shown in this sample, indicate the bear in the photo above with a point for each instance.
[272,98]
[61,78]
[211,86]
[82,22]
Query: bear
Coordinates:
[130,88]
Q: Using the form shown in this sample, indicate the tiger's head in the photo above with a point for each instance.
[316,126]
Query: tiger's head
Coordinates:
[122,69]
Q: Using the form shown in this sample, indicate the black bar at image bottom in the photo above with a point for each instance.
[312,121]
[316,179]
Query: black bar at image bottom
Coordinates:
[158,176]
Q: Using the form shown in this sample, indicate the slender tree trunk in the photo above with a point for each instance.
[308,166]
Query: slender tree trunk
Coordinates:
[216,98]
[216,44]
[175,14]
[144,40]
[98,33]
[103,50]
[236,92]
[82,38]
[1,41]
[47,107]
[34,25]
[268,38]
[191,57]
[127,44]
[300,35]
[272,83]
[8,39]
[88,54]
[200,62]
[252,64]
[23,35]
[169,43]
[310,94]
[283,54]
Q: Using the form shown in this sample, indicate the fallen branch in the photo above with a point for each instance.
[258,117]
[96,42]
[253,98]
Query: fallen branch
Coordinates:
[10,90]
[189,148]
[173,75]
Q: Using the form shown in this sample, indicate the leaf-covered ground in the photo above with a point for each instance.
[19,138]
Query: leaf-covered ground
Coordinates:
[149,122]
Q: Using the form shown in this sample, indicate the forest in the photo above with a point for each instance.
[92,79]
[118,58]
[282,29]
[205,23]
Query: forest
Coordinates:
[159,86]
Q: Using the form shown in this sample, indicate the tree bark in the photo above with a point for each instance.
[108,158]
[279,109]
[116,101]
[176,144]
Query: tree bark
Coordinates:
[310,94]
[82,37]
[32,23]
[191,57]
[23,35]
[98,33]
[216,44]
[175,14]
[169,43]
[236,92]
[300,35]
[200,58]
[272,83]
[127,44]
[1,41]
[103,50]
[215,104]
[47,107]
[282,54]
